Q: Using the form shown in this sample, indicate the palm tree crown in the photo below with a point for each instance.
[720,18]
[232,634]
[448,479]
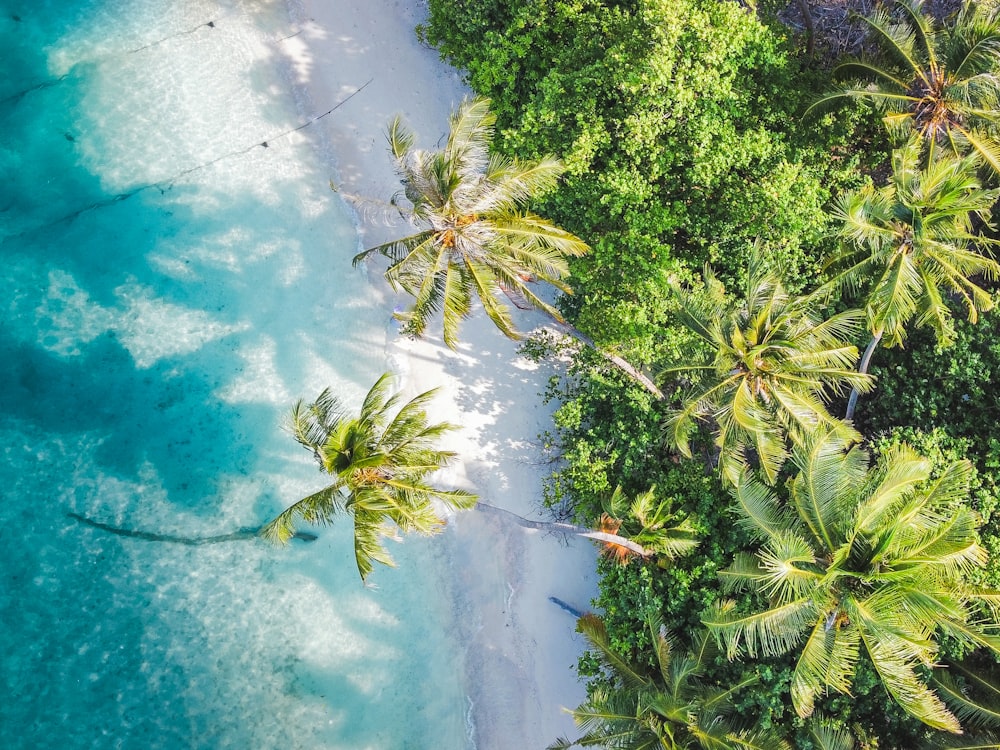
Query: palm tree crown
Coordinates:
[478,240]
[649,521]
[858,558]
[940,83]
[911,244]
[673,709]
[772,363]
[379,466]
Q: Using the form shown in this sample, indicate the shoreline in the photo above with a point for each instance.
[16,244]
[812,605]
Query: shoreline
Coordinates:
[520,649]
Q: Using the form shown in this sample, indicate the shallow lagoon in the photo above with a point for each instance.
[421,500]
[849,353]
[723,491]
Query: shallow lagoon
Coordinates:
[170,288]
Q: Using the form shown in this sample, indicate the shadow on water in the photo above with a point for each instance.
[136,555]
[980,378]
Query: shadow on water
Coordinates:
[170,420]
[132,322]
[161,404]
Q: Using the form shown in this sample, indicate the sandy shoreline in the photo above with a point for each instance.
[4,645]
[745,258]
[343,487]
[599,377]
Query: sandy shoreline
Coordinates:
[520,648]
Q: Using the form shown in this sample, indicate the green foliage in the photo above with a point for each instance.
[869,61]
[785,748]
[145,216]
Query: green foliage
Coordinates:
[607,434]
[679,126]
[925,386]
[477,240]
[379,462]
[772,364]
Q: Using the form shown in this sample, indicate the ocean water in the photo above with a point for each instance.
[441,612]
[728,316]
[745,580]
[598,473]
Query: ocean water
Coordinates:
[170,287]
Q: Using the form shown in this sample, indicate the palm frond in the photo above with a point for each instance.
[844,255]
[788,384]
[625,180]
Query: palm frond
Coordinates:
[900,471]
[471,127]
[456,303]
[312,424]
[897,40]
[592,628]
[894,658]
[830,474]
[829,738]
[759,739]
[761,513]
[317,508]
[400,138]
[484,283]
[828,659]
[769,633]
[368,548]
[987,147]
[969,711]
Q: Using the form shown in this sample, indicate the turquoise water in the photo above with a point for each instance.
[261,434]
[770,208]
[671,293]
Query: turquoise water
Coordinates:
[168,290]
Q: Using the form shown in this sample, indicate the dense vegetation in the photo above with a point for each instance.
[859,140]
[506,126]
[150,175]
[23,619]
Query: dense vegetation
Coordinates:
[683,131]
[680,127]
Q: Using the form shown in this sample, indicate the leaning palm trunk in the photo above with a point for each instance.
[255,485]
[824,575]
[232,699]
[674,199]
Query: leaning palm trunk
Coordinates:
[866,359]
[634,373]
[567,528]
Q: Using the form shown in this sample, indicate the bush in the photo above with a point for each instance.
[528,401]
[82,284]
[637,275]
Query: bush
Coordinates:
[680,126]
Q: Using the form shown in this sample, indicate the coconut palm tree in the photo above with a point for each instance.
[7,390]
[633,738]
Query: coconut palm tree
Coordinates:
[940,83]
[379,467]
[911,245]
[672,709]
[649,521]
[858,560]
[772,362]
[477,240]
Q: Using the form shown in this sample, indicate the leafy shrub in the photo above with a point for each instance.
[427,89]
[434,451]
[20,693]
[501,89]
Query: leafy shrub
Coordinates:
[680,126]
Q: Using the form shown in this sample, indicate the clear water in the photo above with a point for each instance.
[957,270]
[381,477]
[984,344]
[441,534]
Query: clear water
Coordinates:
[157,319]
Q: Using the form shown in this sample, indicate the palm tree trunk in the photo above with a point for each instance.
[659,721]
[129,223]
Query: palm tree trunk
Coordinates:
[566,528]
[634,373]
[866,359]
[810,26]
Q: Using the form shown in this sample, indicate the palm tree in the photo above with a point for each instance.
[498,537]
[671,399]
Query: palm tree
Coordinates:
[379,468]
[648,521]
[477,239]
[910,245]
[672,709]
[940,83]
[858,559]
[772,363]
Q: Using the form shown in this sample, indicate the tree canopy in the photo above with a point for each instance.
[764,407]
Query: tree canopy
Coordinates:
[379,462]
[478,241]
[858,559]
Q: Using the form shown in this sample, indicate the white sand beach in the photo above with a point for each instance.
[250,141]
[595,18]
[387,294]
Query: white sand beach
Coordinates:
[521,648]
